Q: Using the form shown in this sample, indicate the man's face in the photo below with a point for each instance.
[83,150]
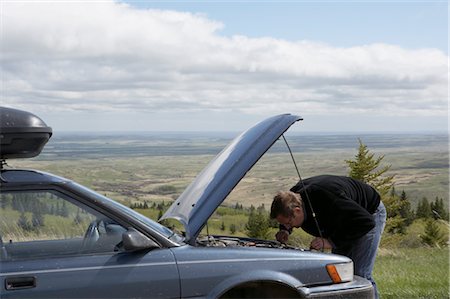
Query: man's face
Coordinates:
[296,220]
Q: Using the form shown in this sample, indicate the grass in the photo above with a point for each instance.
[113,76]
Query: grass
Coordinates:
[413,273]
[55,227]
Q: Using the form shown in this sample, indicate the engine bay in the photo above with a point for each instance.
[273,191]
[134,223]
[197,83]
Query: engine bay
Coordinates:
[227,241]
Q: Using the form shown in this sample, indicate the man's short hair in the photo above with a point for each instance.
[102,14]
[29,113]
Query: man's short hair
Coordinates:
[284,203]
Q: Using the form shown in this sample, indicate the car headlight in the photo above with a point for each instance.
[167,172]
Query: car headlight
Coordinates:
[340,272]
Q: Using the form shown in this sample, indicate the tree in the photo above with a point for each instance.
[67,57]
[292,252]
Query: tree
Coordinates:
[77,219]
[261,208]
[5,200]
[405,209]
[367,168]
[257,225]
[37,219]
[438,210]
[423,209]
[232,228]
[432,235]
[222,226]
[399,212]
[62,210]
[23,222]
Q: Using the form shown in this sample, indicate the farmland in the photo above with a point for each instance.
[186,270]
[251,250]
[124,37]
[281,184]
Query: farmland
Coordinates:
[131,167]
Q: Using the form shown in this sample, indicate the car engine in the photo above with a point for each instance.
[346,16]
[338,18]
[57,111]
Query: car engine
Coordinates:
[227,241]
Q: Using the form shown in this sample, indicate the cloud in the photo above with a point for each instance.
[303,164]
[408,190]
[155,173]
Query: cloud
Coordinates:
[109,56]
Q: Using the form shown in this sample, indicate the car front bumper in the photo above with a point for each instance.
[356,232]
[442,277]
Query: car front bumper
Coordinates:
[358,288]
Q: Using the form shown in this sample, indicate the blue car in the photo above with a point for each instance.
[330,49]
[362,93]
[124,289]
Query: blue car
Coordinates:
[59,239]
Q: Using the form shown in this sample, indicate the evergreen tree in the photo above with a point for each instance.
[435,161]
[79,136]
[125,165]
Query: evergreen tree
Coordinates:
[5,200]
[261,208]
[52,210]
[438,210]
[367,168]
[257,225]
[423,209]
[77,219]
[393,191]
[64,212]
[399,213]
[396,225]
[57,209]
[405,209]
[273,223]
[432,236]
[232,228]
[222,227]
[37,219]
[23,222]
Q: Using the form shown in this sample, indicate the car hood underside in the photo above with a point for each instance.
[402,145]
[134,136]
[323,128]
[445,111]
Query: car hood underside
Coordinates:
[210,188]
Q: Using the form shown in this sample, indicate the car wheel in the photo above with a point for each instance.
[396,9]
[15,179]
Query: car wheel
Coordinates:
[261,289]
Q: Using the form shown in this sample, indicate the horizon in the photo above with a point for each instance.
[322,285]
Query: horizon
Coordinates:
[296,132]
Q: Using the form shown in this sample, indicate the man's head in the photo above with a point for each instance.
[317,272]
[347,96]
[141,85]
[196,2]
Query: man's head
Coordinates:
[287,209]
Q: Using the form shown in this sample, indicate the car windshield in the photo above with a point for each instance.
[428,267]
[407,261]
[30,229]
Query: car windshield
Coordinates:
[168,233]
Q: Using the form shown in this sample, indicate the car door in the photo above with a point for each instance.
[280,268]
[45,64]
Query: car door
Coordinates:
[53,246]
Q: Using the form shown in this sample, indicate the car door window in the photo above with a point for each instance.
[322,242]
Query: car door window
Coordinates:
[48,223]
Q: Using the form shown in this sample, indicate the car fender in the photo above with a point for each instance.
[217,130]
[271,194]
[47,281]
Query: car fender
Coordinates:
[258,275]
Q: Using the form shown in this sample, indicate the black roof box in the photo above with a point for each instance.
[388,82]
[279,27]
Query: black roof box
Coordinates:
[22,134]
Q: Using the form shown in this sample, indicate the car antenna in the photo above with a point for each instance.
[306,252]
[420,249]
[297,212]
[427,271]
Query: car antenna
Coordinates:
[306,192]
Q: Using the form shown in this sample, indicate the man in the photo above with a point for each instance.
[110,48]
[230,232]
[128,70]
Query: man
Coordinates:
[349,214]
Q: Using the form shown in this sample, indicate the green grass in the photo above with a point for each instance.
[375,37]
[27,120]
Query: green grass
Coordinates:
[413,273]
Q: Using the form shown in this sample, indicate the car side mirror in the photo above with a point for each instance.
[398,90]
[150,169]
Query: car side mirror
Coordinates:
[135,241]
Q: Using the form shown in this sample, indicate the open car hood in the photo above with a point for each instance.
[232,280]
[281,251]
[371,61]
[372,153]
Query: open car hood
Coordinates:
[210,188]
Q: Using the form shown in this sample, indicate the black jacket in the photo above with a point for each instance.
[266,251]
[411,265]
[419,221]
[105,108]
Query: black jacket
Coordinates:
[343,207]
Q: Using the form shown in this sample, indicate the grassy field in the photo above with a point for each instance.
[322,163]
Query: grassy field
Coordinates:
[139,178]
[133,167]
[413,273]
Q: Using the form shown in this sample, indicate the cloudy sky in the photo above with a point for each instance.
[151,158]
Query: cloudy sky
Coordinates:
[224,65]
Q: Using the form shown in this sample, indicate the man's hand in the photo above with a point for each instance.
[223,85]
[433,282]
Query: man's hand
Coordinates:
[282,236]
[320,243]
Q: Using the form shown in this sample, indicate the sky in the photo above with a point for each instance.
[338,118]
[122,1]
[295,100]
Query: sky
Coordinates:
[353,66]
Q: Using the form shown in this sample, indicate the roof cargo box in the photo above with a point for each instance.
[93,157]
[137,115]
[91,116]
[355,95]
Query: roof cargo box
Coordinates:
[22,134]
